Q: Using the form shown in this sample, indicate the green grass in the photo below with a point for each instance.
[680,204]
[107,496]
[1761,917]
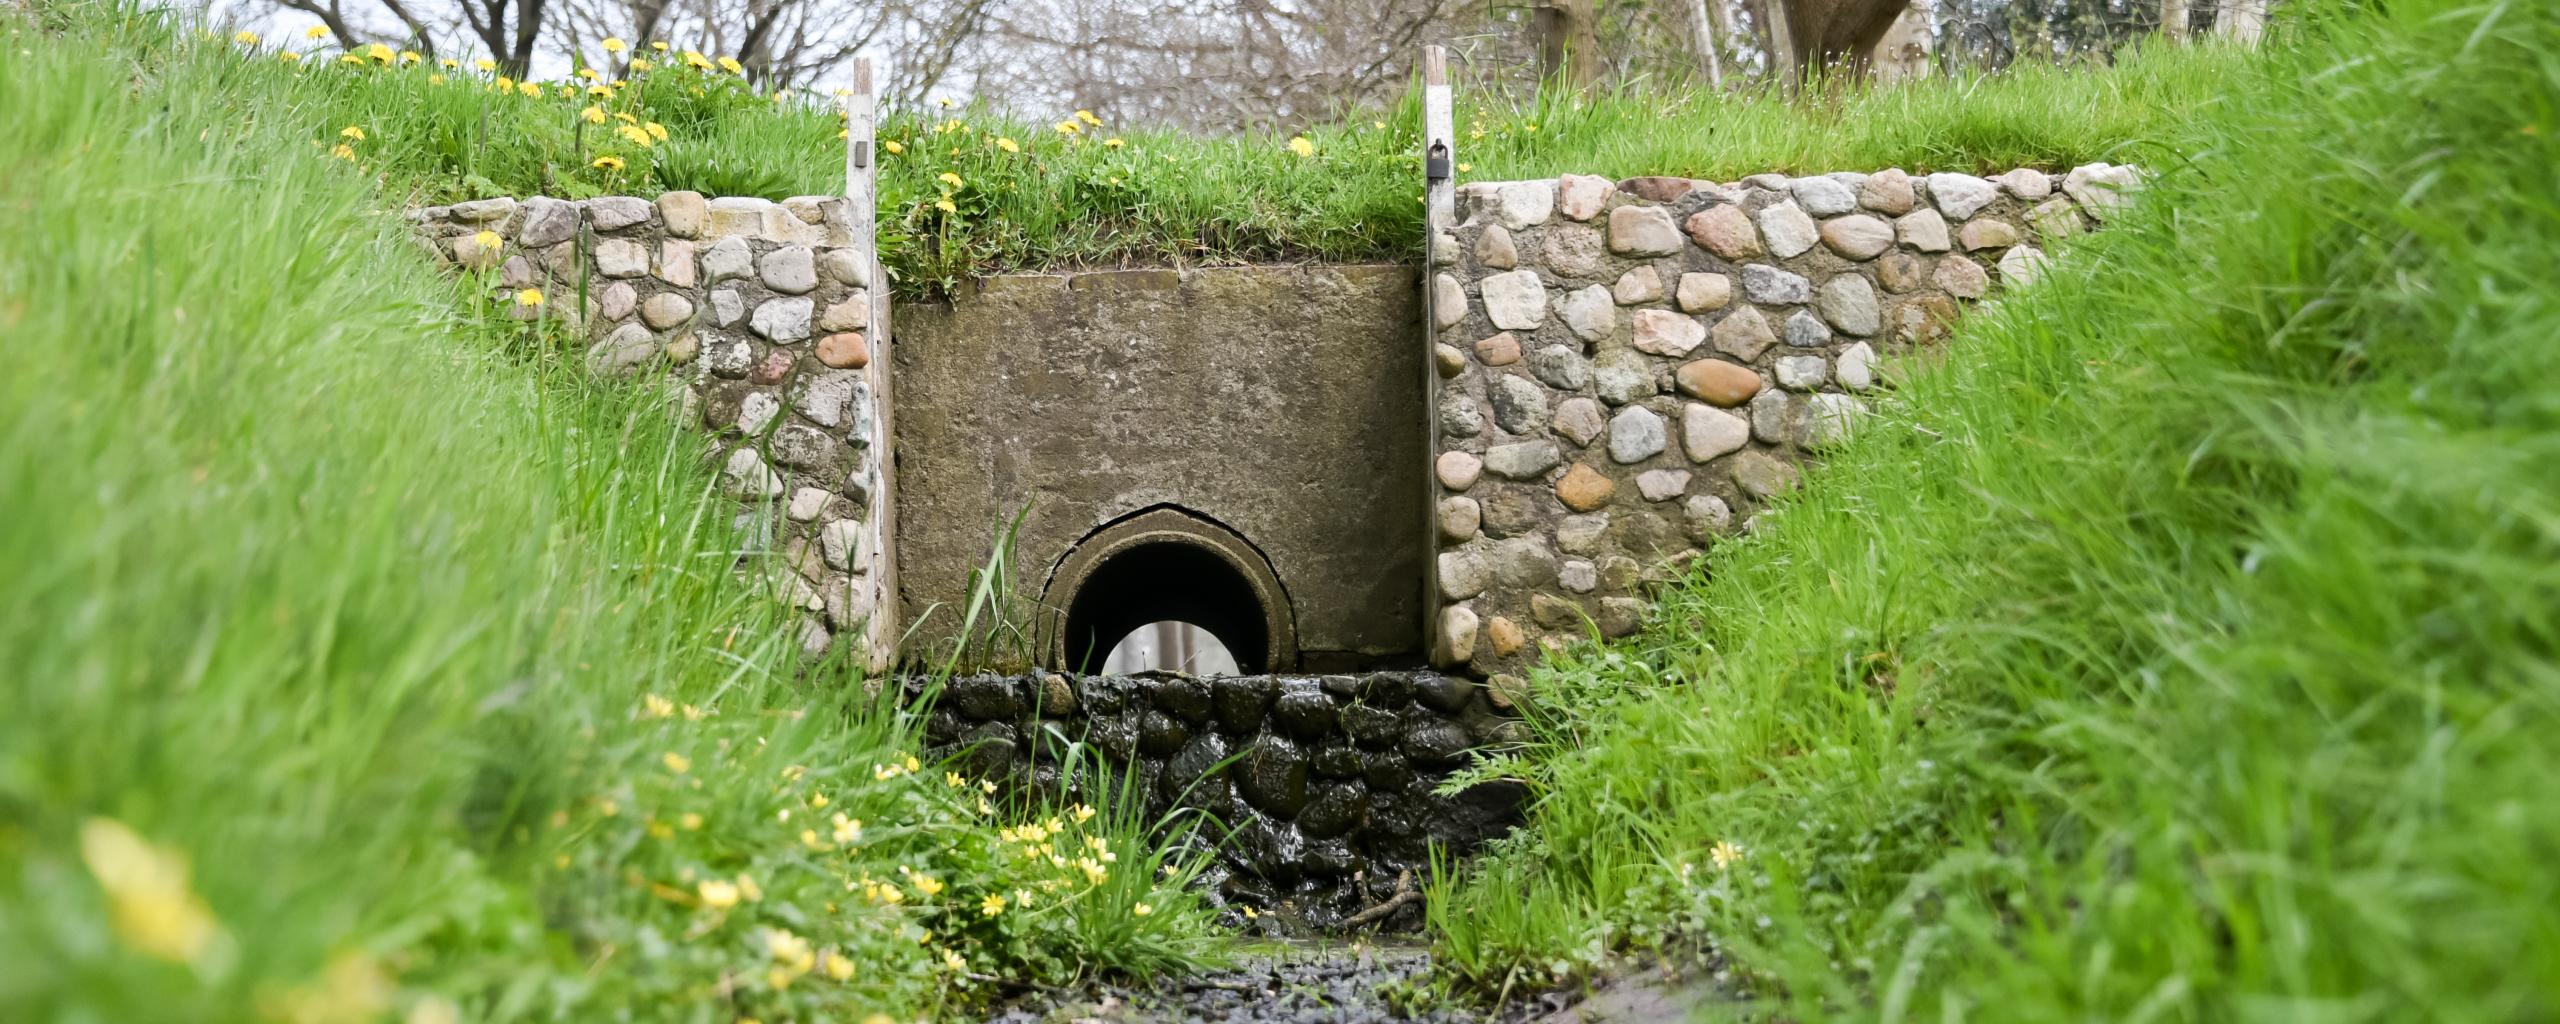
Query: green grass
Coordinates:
[2186,648]
[338,622]
[1112,195]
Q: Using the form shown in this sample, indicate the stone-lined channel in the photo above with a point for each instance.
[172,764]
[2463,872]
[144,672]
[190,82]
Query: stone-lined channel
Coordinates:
[1327,781]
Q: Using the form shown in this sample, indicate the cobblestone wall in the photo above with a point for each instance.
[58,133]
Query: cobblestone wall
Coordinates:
[759,308]
[1628,371]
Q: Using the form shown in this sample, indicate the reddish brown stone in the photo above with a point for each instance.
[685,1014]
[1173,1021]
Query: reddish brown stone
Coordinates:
[1659,188]
[1500,350]
[1584,489]
[1717,382]
[845,351]
[1505,635]
[1724,231]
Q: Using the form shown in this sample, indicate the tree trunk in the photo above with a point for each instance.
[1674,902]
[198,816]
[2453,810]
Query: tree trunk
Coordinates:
[1709,38]
[2242,21]
[1783,65]
[1903,54]
[2174,15]
[1569,42]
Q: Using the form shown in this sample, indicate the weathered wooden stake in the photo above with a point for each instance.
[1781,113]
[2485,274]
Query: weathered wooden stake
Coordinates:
[1439,213]
[862,207]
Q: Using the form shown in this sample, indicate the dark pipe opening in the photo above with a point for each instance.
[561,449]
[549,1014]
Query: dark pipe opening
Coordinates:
[1154,582]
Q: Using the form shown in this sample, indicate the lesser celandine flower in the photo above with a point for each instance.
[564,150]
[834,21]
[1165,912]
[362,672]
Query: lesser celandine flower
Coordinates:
[1142,910]
[991,906]
[1725,854]
[153,908]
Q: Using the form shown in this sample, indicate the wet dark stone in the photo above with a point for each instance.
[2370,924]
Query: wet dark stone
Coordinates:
[1433,743]
[1116,736]
[991,749]
[1331,858]
[1444,693]
[1273,777]
[1057,698]
[1334,810]
[944,727]
[1185,698]
[1160,734]
[1480,812]
[1187,781]
[1337,761]
[1272,850]
[1341,686]
[1372,726]
[1105,695]
[1386,771]
[1385,689]
[1394,817]
[1239,702]
[986,698]
[1304,712]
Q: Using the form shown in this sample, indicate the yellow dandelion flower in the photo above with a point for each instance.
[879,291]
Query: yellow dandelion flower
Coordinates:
[1113,142]
[893,147]
[675,762]
[991,906]
[640,65]
[593,115]
[730,65]
[245,37]
[696,61]
[587,74]
[613,44]
[351,132]
[1464,168]
[1069,127]
[1301,146]
[1725,854]
[530,89]
[490,242]
[625,118]
[601,92]
[316,32]
[661,830]
[504,84]
[533,297]
[747,887]
[410,57]
[349,58]
[1008,145]
[717,894]
[838,966]
[448,63]
[656,131]
[437,79]
[1142,910]
[343,152]
[485,64]
[633,133]
[153,908]
[1087,117]
[948,178]
[608,163]
[381,54]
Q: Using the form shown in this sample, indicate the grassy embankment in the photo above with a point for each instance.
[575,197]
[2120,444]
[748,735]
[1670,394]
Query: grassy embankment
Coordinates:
[1040,194]
[2187,647]
[359,665]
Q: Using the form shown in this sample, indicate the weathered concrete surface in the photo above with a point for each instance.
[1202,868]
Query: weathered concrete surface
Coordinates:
[1281,402]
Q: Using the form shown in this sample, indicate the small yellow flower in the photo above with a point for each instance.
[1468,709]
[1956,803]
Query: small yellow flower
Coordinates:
[613,44]
[448,63]
[489,242]
[912,764]
[485,64]
[533,297]
[661,830]
[381,54]
[587,74]
[730,65]
[987,786]
[696,61]
[1249,914]
[717,894]
[316,32]
[530,89]
[1113,142]
[351,132]
[1464,168]
[602,92]
[675,762]
[893,147]
[633,133]
[747,887]
[410,57]
[1142,910]
[690,821]
[926,884]
[1069,127]
[1008,145]
[848,830]
[656,131]
[1083,814]
[651,705]
[991,906]
[955,961]
[343,152]
[1087,117]
[245,37]
[608,163]
[349,58]
[838,966]
[435,79]
[640,65]
[593,115]
[948,178]
[1301,146]
[153,907]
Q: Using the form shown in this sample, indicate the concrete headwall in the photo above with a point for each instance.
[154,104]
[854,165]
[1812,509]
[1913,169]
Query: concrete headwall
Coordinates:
[1283,403]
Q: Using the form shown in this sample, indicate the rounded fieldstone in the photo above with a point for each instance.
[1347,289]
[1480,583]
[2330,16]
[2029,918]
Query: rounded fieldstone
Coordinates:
[1582,196]
[1743,334]
[844,350]
[1767,284]
[1888,192]
[1303,711]
[1578,575]
[986,698]
[1636,434]
[1717,381]
[1494,249]
[1461,574]
[1448,301]
[1333,810]
[1451,362]
[1662,332]
[1858,236]
[1707,516]
[1584,489]
[1987,233]
[1371,725]
[1579,420]
[1590,313]
[1194,777]
[1637,286]
[1560,367]
[1457,634]
[1643,231]
[1620,616]
[1581,535]
[1901,271]
[1622,381]
[1802,373]
[2021,266]
[1856,367]
[1522,460]
[1789,231]
[1823,197]
[1460,517]
[1505,637]
[1336,761]
[1707,432]
[1499,350]
[1662,484]
[771,369]
[1239,702]
[1160,734]
[666,309]
[1512,511]
[2027,183]
[1457,470]
[617,300]
[1459,416]
[992,749]
[1519,406]
[1522,562]
[1186,698]
[1514,301]
[1762,476]
[1702,293]
[1848,302]
[791,270]
[782,319]
[621,257]
[1804,330]
[1961,278]
[1436,744]
[1725,231]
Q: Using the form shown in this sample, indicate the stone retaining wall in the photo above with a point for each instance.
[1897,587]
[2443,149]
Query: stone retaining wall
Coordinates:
[759,308]
[1328,778]
[1627,371]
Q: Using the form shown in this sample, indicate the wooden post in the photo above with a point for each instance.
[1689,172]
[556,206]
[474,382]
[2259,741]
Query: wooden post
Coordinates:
[879,516]
[1439,214]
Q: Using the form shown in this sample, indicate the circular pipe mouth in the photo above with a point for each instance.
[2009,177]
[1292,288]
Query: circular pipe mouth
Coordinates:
[1167,563]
